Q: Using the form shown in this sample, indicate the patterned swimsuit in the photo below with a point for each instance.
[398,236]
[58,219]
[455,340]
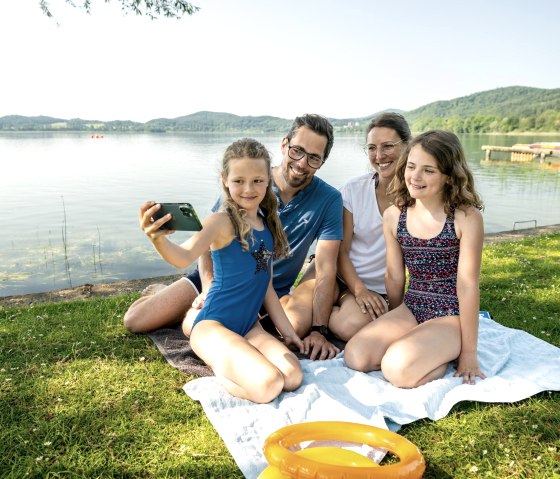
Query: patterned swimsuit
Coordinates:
[432,267]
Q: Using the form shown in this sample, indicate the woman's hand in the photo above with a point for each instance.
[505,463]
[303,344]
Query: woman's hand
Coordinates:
[150,227]
[371,303]
[467,367]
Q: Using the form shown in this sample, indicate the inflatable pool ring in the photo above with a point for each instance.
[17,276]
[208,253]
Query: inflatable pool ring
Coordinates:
[326,455]
[340,463]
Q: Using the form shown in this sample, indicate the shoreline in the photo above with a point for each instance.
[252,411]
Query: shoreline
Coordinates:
[137,285]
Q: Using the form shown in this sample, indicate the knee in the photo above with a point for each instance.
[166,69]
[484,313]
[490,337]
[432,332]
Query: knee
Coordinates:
[397,366]
[356,358]
[268,387]
[293,378]
[131,322]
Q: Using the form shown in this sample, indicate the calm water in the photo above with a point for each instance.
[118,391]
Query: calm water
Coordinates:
[70,202]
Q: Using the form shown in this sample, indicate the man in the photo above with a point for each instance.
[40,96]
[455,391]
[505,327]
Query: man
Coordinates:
[309,210]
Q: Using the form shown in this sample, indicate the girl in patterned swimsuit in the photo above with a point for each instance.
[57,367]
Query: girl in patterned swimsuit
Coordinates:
[243,238]
[435,230]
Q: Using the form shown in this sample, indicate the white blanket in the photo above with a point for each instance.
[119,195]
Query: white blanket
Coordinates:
[517,366]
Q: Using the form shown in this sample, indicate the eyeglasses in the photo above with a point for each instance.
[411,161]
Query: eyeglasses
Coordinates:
[297,153]
[386,148]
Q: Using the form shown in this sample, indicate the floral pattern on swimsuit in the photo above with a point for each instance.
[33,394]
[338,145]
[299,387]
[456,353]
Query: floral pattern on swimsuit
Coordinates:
[432,267]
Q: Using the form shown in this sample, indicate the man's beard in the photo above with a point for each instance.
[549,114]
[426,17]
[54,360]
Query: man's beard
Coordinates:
[294,181]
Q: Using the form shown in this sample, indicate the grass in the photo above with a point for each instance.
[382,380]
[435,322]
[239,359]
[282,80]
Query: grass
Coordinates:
[80,397]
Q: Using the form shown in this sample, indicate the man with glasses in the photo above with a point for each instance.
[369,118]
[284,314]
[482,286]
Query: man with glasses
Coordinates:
[309,210]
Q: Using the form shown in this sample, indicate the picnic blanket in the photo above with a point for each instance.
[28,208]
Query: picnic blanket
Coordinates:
[517,364]
[176,349]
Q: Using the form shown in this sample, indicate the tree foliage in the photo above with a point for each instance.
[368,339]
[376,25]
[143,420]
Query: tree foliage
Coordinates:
[151,8]
[547,122]
[502,110]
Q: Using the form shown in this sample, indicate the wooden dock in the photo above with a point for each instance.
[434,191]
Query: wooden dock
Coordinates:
[518,153]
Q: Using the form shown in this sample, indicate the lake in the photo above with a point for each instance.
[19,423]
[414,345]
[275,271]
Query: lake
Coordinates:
[70,200]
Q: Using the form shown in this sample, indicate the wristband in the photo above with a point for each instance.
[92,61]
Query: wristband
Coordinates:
[324,330]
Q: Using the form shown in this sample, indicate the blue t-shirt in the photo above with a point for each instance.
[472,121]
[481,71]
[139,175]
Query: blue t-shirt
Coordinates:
[315,213]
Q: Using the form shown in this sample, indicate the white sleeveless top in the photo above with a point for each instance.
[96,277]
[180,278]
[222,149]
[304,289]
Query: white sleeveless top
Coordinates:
[367,251]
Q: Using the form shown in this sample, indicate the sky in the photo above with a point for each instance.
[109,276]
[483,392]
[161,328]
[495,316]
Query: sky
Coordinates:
[342,59]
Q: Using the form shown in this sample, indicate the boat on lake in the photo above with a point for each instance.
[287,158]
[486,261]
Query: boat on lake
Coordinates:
[549,148]
[554,146]
[543,152]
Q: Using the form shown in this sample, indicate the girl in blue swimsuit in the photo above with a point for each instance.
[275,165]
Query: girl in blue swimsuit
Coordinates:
[244,237]
[435,230]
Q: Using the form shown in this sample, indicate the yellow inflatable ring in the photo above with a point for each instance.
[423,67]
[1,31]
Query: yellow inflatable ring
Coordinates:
[411,463]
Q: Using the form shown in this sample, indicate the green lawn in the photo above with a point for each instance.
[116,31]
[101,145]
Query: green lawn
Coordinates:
[81,397]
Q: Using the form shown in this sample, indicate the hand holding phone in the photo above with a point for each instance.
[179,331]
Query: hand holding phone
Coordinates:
[183,217]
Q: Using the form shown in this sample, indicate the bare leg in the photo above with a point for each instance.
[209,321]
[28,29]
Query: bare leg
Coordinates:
[243,370]
[188,321]
[348,319]
[152,289]
[167,306]
[278,354]
[422,354]
[366,348]
[299,304]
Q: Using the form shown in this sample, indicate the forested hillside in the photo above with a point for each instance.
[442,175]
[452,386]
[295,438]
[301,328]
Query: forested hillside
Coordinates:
[503,110]
[211,121]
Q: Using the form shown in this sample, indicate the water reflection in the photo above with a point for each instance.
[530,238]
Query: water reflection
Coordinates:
[91,189]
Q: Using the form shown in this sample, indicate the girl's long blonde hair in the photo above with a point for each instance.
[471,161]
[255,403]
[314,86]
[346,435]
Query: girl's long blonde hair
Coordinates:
[252,149]
[445,147]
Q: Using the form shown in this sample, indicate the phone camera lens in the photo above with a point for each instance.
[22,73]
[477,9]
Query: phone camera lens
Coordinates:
[186,212]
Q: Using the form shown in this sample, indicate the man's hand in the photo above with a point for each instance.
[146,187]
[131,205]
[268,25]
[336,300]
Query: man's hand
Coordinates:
[317,346]
[293,340]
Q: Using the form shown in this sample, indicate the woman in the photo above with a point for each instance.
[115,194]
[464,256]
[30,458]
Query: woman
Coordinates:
[361,260]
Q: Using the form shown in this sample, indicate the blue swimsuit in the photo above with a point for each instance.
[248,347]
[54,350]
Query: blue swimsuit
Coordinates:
[432,267]
[240,282]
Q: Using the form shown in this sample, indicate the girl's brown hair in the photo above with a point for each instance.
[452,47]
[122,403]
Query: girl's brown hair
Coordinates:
[445,147]
[252,149]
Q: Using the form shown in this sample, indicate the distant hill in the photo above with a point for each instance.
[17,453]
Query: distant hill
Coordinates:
[227,122]
[502,110]
[510,101]
[16,122]
[514,108]
[34,123]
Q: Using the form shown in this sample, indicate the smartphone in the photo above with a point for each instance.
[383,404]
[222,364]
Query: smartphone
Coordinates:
[183,217]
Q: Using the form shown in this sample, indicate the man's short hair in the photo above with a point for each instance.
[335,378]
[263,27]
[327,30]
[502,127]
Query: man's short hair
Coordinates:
[316,123]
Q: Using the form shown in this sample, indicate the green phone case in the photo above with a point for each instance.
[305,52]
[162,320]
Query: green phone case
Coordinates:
[183,217]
